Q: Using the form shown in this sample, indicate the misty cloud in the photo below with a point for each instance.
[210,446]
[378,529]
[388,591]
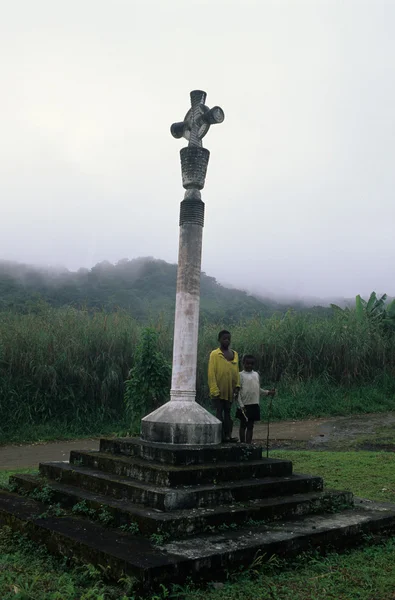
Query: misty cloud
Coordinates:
[299,192]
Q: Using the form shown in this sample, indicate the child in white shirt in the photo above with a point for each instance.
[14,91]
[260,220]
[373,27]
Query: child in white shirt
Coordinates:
[248,399]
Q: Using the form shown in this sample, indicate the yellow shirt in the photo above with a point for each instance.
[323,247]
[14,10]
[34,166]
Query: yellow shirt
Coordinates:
[223,375]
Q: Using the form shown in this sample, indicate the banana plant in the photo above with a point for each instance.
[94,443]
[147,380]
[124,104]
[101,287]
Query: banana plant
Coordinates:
[389,319]
[373,309]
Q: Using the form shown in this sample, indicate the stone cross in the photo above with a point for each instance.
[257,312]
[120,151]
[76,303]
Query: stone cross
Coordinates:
[182,420]
[198,119]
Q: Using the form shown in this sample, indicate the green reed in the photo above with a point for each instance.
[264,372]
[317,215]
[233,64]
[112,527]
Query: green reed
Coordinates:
[67,365]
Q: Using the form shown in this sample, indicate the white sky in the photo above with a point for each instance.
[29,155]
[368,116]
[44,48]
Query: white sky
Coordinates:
[300,188]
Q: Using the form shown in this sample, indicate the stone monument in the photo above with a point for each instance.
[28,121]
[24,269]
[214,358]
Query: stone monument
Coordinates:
[182,420]
[177,503]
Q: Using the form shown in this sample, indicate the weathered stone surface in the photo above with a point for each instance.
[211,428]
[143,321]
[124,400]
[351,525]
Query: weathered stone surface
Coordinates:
[182,421]
[209,526]
[175,498]
[202,557]
[169,475]
[186,522]
[181,454]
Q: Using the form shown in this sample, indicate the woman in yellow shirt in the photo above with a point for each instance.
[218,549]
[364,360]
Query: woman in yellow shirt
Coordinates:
[224,382]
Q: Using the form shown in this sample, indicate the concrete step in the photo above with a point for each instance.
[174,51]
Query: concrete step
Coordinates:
[186,522]
[170,475]
[177,454]
[203,557]
[173,498]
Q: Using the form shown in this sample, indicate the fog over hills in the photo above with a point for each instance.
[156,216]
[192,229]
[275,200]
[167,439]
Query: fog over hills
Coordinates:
[143,286]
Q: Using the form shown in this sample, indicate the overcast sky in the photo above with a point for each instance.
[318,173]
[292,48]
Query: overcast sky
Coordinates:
[300,187]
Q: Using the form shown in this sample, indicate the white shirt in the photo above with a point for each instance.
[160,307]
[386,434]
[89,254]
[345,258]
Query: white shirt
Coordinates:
[250,388]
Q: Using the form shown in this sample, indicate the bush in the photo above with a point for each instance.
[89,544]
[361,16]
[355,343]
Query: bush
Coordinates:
[149,383]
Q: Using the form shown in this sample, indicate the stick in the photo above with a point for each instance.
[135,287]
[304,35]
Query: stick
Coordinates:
[269,412]
[244,413]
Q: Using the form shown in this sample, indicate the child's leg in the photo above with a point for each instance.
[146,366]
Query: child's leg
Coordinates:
[219,413]
[218,409]
[227,422]
[242,430]
[250,431]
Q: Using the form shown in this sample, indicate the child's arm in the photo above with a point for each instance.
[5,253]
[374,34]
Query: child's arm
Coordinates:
[212,380]
[268,392]
[238,393]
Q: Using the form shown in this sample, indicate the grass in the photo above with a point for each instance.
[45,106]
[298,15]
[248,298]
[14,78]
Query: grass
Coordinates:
[5,475]
[46,432]
[363,574]
[367,474]
[315,398]
[296,401]
[65,369]
[383,437]
[366,573]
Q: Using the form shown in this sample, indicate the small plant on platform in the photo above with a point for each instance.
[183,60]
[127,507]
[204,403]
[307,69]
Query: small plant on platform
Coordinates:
[44,494]
[225,527]
[255,522]
[159,538]
[105,517]
[82,508]
[131,527]
[149,381]
[54,510]
[245,454]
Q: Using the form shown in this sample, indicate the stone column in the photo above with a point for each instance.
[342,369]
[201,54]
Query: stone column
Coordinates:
[182,420]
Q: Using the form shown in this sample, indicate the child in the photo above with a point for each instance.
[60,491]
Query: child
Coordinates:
[224,382]
[248,399]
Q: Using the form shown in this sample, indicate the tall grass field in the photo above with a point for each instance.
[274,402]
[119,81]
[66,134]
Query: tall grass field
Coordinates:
[67,367]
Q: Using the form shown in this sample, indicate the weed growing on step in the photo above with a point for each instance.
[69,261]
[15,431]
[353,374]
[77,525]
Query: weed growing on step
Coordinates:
[245,454]
[225,527]
[256,523]
[131,527]
[81,508]
[158,539]
[54,510]
[105,517]
[43,494]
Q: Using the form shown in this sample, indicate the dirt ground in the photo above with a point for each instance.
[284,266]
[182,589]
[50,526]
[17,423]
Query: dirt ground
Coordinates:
[368,431]
[359,432]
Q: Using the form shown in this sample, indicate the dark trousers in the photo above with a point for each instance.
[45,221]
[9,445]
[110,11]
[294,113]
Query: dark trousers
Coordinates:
[222,408]
[246,436]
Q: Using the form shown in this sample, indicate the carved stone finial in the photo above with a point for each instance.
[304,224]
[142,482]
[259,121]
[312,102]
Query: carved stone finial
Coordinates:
[198,120]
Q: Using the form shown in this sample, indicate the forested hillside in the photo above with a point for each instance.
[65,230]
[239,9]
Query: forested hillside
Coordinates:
[143,287]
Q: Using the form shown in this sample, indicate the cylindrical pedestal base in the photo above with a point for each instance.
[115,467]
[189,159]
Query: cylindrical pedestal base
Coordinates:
[181,422]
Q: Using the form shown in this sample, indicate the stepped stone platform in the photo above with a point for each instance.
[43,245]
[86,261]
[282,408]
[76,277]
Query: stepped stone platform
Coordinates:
[164,513]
